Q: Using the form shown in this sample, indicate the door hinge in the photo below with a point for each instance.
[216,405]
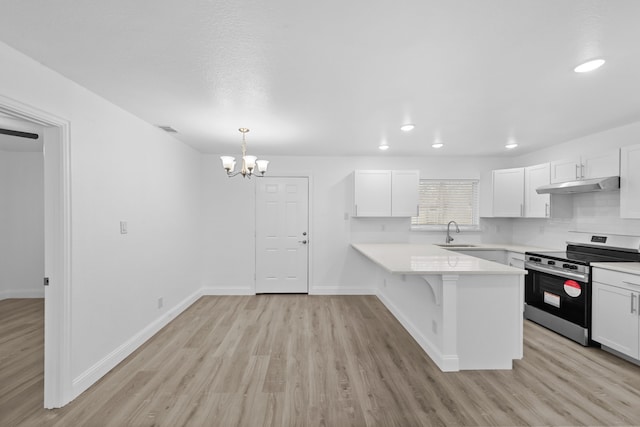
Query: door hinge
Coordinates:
[46,281]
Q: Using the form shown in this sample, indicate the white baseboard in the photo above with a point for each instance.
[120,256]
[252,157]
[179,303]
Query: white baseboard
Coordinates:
[340,290]
[21,293]
[110,361]
[446,364]
[227,291]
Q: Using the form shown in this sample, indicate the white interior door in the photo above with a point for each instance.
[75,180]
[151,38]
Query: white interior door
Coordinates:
[282,235]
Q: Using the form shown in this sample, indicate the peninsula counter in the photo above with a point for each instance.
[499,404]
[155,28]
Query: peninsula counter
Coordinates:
[465,312]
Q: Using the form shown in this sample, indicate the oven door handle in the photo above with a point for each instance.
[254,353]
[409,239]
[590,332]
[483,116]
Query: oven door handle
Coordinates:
[566,274]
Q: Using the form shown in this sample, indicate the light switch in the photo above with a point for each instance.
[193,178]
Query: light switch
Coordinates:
[124,228]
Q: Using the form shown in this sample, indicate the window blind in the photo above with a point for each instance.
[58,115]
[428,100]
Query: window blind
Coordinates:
[444,200]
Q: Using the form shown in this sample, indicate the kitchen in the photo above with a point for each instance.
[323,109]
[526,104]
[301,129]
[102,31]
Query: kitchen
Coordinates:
[224,259]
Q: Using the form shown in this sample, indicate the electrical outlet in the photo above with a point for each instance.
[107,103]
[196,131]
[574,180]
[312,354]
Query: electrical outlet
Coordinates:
[160,302]
[124,227]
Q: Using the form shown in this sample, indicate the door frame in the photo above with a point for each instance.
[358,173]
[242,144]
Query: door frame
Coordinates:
[302,174]
[58,382]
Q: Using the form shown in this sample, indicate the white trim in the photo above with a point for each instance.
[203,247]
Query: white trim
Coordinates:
[21,293]
[57,155]
[341,290]
[446,364]
[110,361]
[213,291]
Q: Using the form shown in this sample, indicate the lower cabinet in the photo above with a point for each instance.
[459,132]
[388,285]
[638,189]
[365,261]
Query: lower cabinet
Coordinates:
[515,259]
[615,307]
[496,256]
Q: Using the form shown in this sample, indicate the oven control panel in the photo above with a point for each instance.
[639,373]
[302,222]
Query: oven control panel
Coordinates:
[562,268]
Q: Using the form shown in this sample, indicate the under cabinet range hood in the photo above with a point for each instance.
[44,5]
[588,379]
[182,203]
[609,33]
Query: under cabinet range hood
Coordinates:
[608,183]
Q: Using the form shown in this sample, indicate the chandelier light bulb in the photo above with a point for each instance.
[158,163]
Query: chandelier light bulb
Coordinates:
[249,163]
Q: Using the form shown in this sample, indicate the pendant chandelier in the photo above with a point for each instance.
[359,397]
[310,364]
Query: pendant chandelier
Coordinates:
[249,163]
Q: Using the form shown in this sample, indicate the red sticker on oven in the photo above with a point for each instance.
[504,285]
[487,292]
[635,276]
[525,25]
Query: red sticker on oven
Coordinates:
[572,288]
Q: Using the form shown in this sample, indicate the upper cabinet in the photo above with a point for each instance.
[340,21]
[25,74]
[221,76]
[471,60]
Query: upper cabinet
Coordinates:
[513,193]
[630,182]
[404,192]
[508,192]
[386,193]
[536,205]
[585,167]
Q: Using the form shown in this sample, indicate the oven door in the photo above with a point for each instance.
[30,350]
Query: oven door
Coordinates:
[567,298]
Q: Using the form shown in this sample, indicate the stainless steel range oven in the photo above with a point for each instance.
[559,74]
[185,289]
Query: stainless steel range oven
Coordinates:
[558,284]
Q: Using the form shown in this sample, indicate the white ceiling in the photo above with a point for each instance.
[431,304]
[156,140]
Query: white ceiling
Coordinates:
[338,77]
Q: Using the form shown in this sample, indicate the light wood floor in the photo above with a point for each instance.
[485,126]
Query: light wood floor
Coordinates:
[312,361]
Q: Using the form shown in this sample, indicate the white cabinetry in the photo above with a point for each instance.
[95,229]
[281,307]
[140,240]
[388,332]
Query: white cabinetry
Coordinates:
[616,322]
[536,205]
[630,182]
[386,193]
[513,193]
[515,259]
[404,192]
[592,166]
[508,192]
[498,256]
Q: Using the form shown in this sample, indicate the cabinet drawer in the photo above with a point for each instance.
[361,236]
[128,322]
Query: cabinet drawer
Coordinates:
[617,278]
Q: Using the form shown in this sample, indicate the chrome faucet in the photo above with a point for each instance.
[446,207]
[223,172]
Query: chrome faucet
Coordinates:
[449,239]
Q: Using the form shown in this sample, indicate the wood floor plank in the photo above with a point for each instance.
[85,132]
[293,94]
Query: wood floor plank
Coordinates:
[280,360]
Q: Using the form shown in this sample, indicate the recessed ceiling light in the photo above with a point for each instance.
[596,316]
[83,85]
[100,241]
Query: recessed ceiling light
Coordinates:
[384,146]
[408,127]
[589,66]
[511,146]
[437,145]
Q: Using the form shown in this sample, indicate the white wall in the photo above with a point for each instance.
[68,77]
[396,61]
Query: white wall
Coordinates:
[229,258]
[21,225]
[592,212]
[121,169]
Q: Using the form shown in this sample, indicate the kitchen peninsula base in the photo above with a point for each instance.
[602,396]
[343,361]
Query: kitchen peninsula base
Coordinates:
[465,312]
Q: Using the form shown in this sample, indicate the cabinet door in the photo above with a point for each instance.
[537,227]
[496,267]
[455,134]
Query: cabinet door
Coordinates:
[372,193]
[601,165]
[615,318]
[508,192]
[495,256]
[536,205]
[404,193]
[565,170]
[630,182]
[515,259]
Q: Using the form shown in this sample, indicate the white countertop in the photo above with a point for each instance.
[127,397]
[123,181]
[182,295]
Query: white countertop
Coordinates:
[623,267]
[411,258]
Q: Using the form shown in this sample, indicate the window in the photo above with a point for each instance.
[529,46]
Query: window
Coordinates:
[444,200]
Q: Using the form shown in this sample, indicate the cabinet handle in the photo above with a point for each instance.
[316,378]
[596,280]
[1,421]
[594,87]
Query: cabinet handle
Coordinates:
[546,209]
[577,166]
[521,209]
[581,171]
[633,296]
[356,210]
[417,210]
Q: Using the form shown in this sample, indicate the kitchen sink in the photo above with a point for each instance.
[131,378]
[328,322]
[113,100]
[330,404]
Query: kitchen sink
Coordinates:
[455,245]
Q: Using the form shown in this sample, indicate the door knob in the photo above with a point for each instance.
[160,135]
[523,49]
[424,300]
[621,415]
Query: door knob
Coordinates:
[304,233]
[304,242]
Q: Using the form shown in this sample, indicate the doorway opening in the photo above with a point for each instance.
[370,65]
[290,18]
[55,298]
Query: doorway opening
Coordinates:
[56,246]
